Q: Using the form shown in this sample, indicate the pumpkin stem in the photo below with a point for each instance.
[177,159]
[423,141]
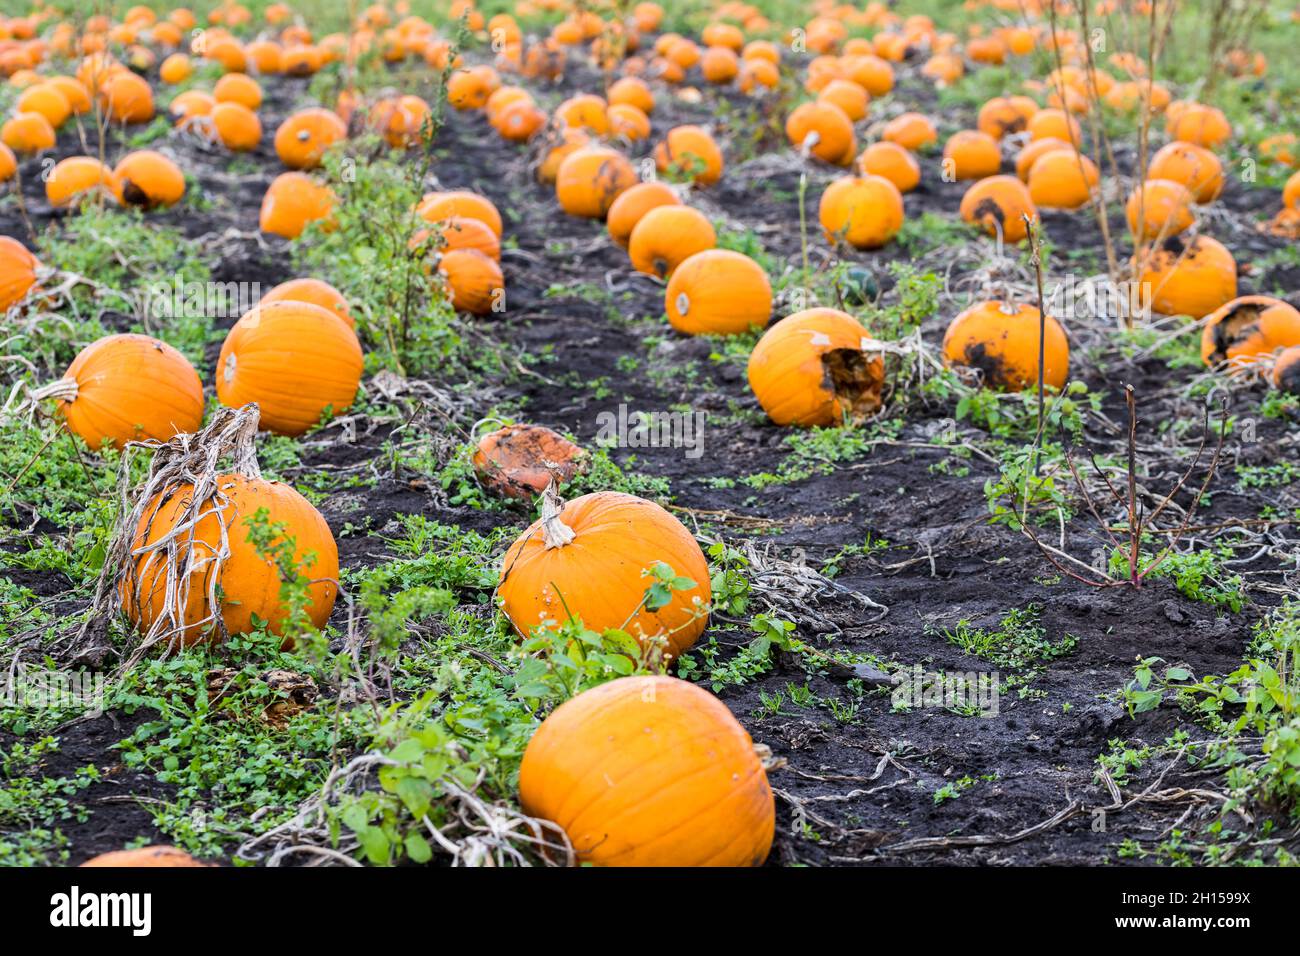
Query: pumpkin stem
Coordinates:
[555,533]
[64,389]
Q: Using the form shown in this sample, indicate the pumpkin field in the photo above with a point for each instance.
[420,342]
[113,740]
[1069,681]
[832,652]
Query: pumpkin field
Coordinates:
[598,432]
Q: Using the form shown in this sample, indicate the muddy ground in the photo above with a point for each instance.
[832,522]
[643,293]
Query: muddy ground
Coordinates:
[855,790]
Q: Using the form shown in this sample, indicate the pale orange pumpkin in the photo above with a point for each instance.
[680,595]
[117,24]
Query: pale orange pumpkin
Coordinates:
[1062,179]
[970,154]
[298,361]
[718,292]
[667,235]
[589,557]
[1000,340]
[129,387]
[814,368]
[650,771]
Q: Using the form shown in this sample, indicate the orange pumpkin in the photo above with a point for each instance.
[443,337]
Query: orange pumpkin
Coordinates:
[1030,153]
[190,105]
[826,129]
[1005,114]
[314,291]
[469,88]
[628,122]
[27,133]
[519,461]
[591,179]
[588,558]
[1062,179]
[691,151]
[848,96]
[236,126]
[1000,341]
[1193,166]
[556,147]
[1188,278]
[650,771]
[436,207]
[304,136]
[298,361]
[813,368]
[864,211]
[462,232]
[1055,124]
[1248,329]
[1286,371]
[292,201]
[1159,208]
[175,69]
[667,235]
[76,177]
[718,292]
[18,269]
[632,204]
[8,163]
[130,388]
[247,583]
[148,178]
[46,99]
[145,856]
[520,121]
[632,91]
[999,204]
[912,131]
[970,154]
[126,98]
[1199,124]
[474,280]
[238,88]
[892,162]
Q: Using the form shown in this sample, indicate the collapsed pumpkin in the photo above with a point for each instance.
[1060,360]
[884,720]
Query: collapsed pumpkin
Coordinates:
[1248,329]
[650,771]
[814,368]
[519,461]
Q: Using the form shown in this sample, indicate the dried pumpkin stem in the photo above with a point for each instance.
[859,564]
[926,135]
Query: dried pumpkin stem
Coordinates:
[555,533]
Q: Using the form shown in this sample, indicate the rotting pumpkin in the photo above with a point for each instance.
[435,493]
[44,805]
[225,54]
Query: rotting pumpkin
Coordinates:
[519,461]
[1000,340]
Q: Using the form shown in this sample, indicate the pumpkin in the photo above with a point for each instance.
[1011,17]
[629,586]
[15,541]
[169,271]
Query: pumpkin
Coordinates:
[892,162]
[17,272]
[632,91]
[848,96]
[756,76]
[718,292]
[461,232]
[176,68]
[238,88]
[27,133]
[556,147]
[1000,341]
[912,131]
[78,176]
[590,179]
[1286,371]
[145,856]
[632,204]
[126,98]
[585,111]
[970,154]
[864,211]
[944,68]
[998,205]
[8,163]
[313,291]
[1188,278]
[1030,153]
[437,207]
[236,126]
[692,152]
[190,105]
[830,129]
[1248,329]
[1055,124]
[1291,192]
[46,99]
[666,236]
[650,771]
[148,178]
[1193,166]
[519,461]
[589,557]
[474,280]
[303,138]
[519,122]
[1005,114]
[870,72]
[298,361]
[1199,124]
[469,88]
[75,92]
[130,388]
[719,65]
[1062,179]
[292,201]
[812,368]
[247,583]
[1162,206]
